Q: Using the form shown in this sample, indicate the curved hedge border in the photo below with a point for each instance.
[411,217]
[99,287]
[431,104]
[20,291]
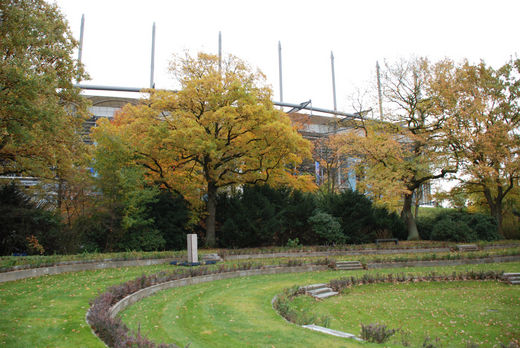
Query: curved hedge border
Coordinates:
[102,315]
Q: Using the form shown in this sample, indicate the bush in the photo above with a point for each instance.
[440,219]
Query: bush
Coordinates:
[361,222]
[171,215]
[458,226]
[327,227]
[452,230]
[260,215]
[24,228]
[100,230]
[377,333]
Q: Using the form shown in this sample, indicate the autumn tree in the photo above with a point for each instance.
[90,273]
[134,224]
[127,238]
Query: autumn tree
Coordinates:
[40,110]
[408,148]
[219,130]
[484,123]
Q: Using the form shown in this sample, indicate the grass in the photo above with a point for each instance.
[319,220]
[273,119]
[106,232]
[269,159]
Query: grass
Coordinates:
[49,311]
[238,312]
[457,313]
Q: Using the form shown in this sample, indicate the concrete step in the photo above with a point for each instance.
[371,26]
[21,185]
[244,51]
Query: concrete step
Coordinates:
[348,265]
[347,262]
[467,247]
[326,294]
[511,274]
[313,286]
[514,282]
[319,291]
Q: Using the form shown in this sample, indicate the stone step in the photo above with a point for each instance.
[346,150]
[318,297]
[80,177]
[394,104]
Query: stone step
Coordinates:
[467,247]
[326,294]
[511,274]
[513,278]
[514,282]
[349,268]
[313,287]
[316,292]
[348,265]
[347,262]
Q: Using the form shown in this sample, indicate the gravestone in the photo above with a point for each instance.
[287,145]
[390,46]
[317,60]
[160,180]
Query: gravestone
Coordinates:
[192,248]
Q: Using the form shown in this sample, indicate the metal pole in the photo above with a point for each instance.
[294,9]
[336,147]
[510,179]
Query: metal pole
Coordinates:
[80,50]
[219,51]
[152,60]
[333,80]
[379,91]
[280,69]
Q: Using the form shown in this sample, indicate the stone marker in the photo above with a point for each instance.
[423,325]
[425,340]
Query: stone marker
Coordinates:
[192,248]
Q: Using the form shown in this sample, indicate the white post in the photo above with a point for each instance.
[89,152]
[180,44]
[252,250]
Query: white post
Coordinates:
[192,248]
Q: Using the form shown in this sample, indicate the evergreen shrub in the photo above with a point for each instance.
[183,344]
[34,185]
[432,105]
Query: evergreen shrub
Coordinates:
[27,228]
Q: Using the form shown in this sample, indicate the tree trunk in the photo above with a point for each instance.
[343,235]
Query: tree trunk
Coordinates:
[210,219]
[408,218]
[496,212]
[495,207]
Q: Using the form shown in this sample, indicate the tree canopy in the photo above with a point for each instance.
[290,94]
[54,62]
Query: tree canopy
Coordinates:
[483,109]
[408,148]
[219,130]
[40,110]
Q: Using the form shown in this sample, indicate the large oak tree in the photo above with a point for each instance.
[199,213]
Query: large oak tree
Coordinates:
[483,105]
[219,130]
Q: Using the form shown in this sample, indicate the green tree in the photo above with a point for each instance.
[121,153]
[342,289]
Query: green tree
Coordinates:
[40,110]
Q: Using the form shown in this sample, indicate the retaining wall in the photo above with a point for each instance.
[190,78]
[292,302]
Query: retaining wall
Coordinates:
[496,259]
[36,272]
[335,253]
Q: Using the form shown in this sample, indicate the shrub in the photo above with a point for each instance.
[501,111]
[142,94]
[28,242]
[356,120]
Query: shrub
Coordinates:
[100,230]
[361,222]
[22,223]
[260,215]
[327,227]
[452,230]
[171,216]
[458,226]
[377,333]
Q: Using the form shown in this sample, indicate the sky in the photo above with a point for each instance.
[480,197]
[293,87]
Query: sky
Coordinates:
[117,38]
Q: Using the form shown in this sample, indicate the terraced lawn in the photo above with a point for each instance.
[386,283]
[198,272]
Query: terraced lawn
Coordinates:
[238,312]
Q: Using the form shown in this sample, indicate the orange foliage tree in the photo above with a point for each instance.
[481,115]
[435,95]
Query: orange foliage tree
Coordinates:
[219,130]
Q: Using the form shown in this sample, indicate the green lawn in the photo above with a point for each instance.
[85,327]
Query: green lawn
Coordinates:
[485,312]
[238,312]
[49,311]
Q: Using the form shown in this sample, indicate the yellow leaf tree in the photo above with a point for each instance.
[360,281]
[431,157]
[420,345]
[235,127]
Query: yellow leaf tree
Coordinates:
[219,130]
[409,147]
[484,108]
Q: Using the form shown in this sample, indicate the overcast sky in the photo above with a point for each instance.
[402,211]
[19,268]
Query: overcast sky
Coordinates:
[117,38]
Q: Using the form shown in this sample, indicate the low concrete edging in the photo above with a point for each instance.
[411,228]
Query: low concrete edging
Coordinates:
[496,259]
[139,295]
[334,253]
[37,272]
